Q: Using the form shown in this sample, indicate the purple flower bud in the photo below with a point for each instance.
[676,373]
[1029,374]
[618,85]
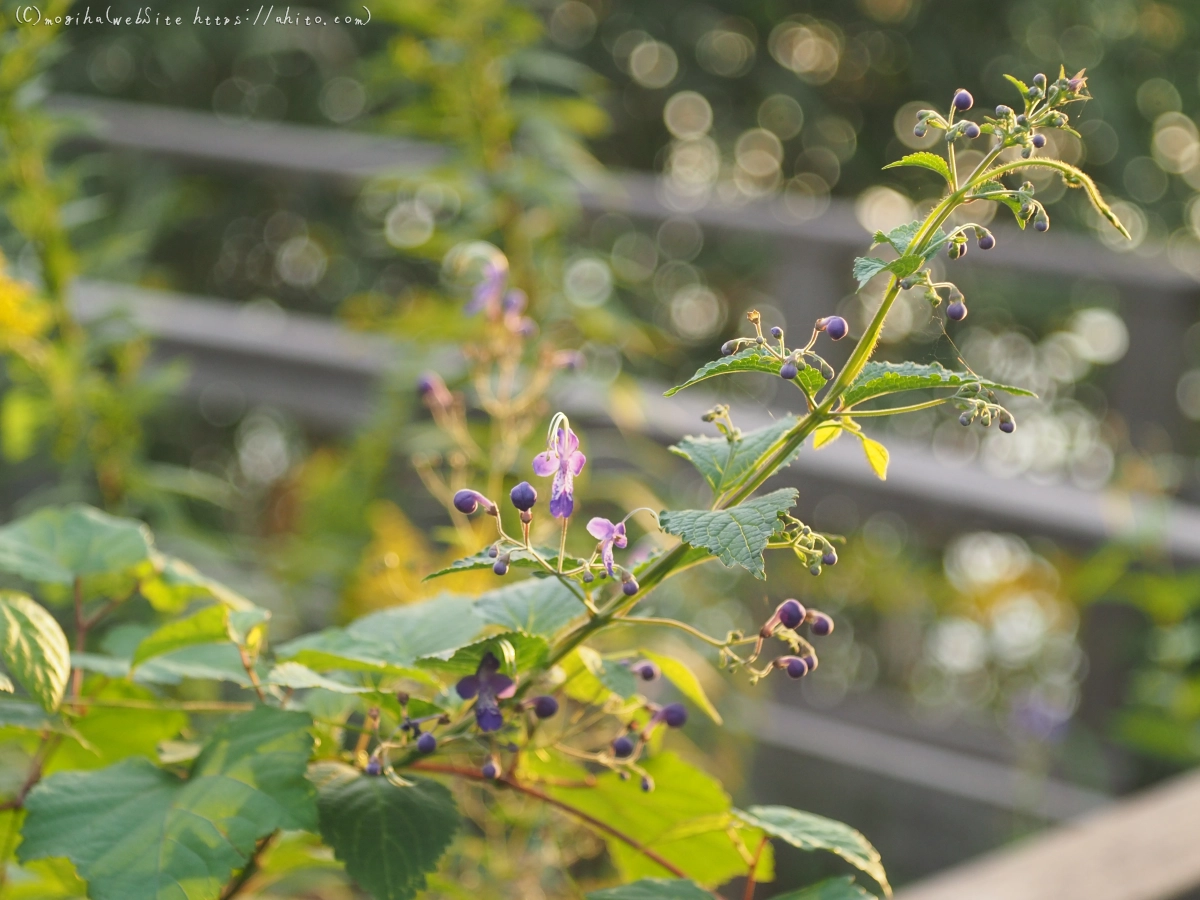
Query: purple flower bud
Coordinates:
[426,743]
[987,241]
[1021,120]
[920,130]
[811,662]
[795,666]
[523,496]
[788,371]
[647,784]
[1008,426]
[830,558]
[834,326]
[467,501]
[493,551]
[629,588]
[374,766]
[434,391]
[819,623]
[1002,111]
[1075,84]
[963,100]
[674,714]
[1040,80]
[971,131]
[956,311]
[500,567]
[728,348]
[790,613]
[777,332]
[545,706]
[1039,141]
[622,747]
[645,670]
[1041,223]
[491,769]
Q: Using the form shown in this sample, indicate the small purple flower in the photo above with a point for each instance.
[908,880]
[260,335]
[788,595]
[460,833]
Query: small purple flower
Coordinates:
[563,460]
[488,686]
[515,302]
[609,535]
[486,295]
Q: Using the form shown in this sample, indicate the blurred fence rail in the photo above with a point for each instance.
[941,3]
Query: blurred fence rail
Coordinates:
[327,376]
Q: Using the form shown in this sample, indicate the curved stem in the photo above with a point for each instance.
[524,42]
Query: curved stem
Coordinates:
[671,623]
[891,411]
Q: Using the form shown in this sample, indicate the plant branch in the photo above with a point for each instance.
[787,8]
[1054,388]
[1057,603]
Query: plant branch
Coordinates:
[249,870]
[750,878]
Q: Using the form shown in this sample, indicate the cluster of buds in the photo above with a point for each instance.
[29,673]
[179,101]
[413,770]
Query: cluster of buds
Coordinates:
[1043,108]
[979,403]
[627,746]
[791,362]
[788,617]
[814,549]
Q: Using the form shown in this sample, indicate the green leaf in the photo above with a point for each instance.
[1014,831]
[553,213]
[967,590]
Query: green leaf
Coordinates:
[842,888]
[6,684]
[389,837]
[211,625]
[812,832]
[685,681]
[518,559]
[901,236]
[653,889]
[737,535]
[34,648]
[867,267]
[137,832]
[108,734]
[880,378]
[925,160]
[211,662]
[1018,84]
[23,716]
[516,651]
[299,677]
[176,583]
[877,456]
[684,820]
[59,544]
[752,359]
[537,606]
[826,434]
[589,678]
[724,463]
[392,638]
[995,187]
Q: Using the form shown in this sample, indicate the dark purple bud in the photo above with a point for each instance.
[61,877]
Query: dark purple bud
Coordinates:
[545,706]
[790,613]
[374,766]
[523,496]
[1008,426]
[830,558]
[493,551]
[956,311]
[1022,121]
[1039,141]
[728,348]
[647,784]
[588,577]
[819,623]
[788,371]
[645,670]
[834,326]
[814,569]
[467,501]
[674,714]
[1041,223]
[777,332]
[796,667]
[623,774]
[987,241]
[1075,84]
[491,769]
[1040,80]
[500,567]
[426,743]
[811,662]
[622,747]
[920,130]
[628,586]
[1034,92]
[963,100]
[1002,111]
[965,419]
[972,130]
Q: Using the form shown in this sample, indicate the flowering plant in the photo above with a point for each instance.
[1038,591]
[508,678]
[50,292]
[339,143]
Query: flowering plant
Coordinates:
[349,736]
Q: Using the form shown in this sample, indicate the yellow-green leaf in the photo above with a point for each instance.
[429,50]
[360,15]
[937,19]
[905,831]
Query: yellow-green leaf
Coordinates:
[877,456]
[826,434]
[685,680]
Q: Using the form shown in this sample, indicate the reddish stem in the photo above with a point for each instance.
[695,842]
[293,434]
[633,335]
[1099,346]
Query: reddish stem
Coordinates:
[749,892]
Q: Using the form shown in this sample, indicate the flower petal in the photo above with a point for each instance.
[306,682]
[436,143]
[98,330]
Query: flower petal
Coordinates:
[620,538]
[502,686]
[606,554]
[545,463]
[601,529]
[562,495]
[574,462]
[467,687]
[488,718]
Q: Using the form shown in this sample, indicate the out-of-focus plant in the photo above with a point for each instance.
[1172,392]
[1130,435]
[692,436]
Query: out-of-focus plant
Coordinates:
[528,690]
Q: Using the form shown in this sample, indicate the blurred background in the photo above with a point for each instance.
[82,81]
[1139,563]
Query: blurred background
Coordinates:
[253,222]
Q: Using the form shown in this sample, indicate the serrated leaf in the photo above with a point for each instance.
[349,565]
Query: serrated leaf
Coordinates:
[1018,84]
[210,662]
[58,544]
[752,359]
[137,832]
[34,649]
[685,681]
[211,625]
[877,456]
[389,837]
[589,678]
[107,734]
[737,535]
[812,832]
[906,265]
[300,677]
[654,889]
[537,606]
[924,160]
[724,463]
[842,888]
[518,559]
[901,236]
[826,434]
[684,820]
[865,268]
[880,378]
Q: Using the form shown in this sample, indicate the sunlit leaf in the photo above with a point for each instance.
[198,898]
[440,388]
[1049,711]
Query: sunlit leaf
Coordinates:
[685,680]
[925,160]
[877,456]
[724,463]
[751,359]
[34,648]
[737,535]
[59,544]
[878,379]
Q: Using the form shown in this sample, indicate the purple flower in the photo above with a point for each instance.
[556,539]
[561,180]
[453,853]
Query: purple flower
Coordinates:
[488,686]
[563,460]
[609,536]
[486,295]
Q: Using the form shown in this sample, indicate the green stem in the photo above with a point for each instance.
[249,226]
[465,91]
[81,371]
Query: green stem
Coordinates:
[895,410]
[670,623]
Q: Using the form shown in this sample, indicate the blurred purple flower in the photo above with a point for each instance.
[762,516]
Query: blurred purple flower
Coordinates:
[486,295]
[488,686]
[564,461]
[609,535]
